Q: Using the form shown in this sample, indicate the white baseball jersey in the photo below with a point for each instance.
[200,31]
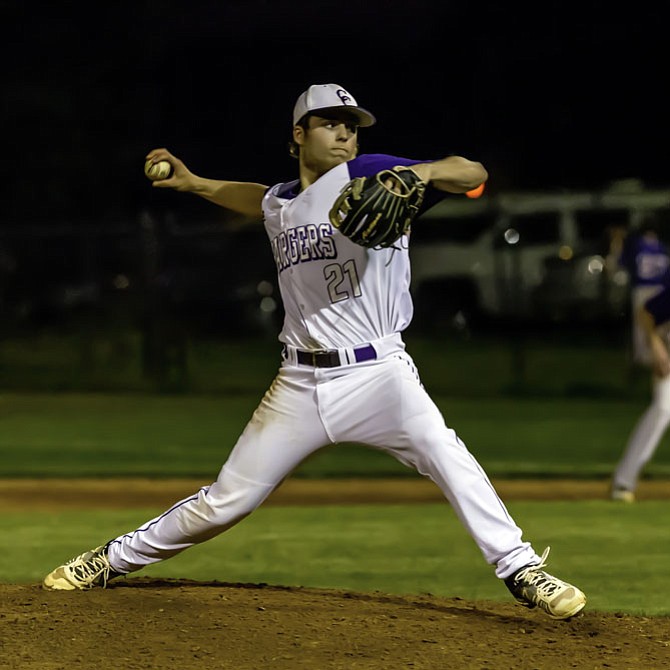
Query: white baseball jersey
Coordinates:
[335,293]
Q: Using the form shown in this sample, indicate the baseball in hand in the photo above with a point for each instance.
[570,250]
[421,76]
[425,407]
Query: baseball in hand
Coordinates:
[157,171]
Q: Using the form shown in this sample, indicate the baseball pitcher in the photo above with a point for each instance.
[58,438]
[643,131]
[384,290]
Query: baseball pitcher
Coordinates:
[340,234]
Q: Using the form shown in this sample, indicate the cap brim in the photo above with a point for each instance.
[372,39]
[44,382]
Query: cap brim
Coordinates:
[362,116]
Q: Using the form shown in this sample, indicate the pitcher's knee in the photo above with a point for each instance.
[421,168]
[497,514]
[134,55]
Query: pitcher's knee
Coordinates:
[227,500]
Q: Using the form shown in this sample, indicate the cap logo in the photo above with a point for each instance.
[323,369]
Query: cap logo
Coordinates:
[343,96]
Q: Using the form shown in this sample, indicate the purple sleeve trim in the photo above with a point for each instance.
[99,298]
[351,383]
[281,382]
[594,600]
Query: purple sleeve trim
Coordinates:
[369,164]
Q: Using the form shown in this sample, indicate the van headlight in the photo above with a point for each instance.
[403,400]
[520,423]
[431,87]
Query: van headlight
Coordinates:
[596,265]
[511,236]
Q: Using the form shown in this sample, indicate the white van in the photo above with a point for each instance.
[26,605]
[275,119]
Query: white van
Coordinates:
[523,256]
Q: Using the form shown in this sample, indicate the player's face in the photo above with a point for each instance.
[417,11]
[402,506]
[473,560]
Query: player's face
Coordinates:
[327,142]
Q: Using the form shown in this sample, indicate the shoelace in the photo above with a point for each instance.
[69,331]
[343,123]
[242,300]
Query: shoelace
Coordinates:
[533,576]
[89,569]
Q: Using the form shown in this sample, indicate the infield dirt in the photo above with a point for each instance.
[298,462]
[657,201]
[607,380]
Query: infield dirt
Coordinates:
[152,624]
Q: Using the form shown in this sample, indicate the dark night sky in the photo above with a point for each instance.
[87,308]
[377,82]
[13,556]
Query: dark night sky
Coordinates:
[557,97]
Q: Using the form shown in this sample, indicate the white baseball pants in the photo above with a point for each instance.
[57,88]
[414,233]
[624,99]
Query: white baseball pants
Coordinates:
[379,403]
[646,436]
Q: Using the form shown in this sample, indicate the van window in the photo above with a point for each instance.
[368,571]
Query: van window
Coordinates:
[457,229]
[536,228]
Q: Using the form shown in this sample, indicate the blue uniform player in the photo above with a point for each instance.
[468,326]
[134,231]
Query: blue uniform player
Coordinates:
[647,260]
[645,256]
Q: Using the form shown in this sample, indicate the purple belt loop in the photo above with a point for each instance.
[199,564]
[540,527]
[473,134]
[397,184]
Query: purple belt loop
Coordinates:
[366,353]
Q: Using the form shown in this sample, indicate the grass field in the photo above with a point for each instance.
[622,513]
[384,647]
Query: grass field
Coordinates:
[616,553]
[75,434]
[618,557]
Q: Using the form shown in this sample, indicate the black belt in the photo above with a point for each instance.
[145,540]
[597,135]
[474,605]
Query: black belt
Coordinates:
[331,359]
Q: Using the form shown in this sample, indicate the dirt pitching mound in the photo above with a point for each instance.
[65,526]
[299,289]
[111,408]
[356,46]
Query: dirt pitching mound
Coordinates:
[144,623]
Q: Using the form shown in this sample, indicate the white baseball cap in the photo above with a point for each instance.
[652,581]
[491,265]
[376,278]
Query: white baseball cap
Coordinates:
[328,97]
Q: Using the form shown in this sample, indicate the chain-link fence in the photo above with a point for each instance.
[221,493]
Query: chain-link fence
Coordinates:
[156,304]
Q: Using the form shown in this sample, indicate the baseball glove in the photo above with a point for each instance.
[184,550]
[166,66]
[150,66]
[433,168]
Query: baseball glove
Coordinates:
[376,211]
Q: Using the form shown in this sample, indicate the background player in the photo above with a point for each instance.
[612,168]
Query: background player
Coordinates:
[345,375]
[646,258]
